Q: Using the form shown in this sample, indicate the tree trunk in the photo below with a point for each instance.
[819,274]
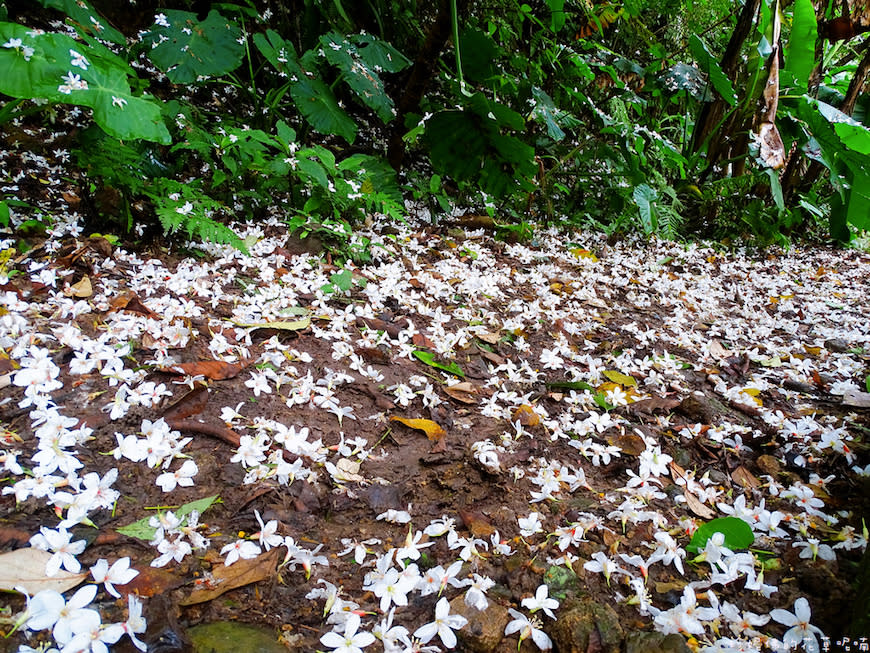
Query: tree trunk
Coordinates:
[420,77]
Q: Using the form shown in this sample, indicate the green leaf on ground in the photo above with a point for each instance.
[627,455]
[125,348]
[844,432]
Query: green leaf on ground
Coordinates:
[142,530]
[738,534]
[428,358]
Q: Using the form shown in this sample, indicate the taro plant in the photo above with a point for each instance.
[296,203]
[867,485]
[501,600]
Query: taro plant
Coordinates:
[55,68]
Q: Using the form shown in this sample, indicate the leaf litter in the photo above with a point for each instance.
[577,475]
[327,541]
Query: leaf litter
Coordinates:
[618,409]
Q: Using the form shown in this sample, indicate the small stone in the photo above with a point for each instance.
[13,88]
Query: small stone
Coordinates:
[485,628]
[585,625]
[837,345]
[643,642]
[769,465]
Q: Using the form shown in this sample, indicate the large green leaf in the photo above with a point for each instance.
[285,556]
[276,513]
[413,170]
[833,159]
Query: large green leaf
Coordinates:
[316,102]
[189,49]
[545,111]
[359,75]
[100,82]
[379,54]
[801,55]
[738,534]
[479,54]
[86,19]
[644,197]
[710,65]
[278,52]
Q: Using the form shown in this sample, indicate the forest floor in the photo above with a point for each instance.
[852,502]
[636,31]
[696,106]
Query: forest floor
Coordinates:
[459,418]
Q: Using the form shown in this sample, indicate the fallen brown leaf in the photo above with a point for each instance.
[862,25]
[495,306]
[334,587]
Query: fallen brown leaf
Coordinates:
[242,572]
[212,369]
[193,403]
[464,392]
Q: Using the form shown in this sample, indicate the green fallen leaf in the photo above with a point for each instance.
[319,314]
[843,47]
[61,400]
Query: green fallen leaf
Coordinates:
[293,325]
[142,530]
[428,358]
[738,534]
[620,378]
[570,385]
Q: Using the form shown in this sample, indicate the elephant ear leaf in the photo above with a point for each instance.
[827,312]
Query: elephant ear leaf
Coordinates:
[709,65]
[186,49]
[316,102]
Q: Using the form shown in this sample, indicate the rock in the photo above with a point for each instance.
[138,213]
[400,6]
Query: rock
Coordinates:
[837,345]
[643,642]
[698,409]
[227,636]
[585,625]
[769,465]
[485,628]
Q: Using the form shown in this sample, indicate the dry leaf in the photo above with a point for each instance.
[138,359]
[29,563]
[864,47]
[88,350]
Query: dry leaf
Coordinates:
[476,523]
[129,301]
[422,341]
[697,507]
[488,338]
[80,289]
[630,443]
[151,581]
[242,572]
[432,429]
[214,370]
[25,568]
[493,358]
[464,392]
[856,399]
[526,416]
[718,351]
[193,403]
[744,477]
[280,325]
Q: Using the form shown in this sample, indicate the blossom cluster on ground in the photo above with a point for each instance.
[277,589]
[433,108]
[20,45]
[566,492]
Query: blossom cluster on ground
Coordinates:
[615,325]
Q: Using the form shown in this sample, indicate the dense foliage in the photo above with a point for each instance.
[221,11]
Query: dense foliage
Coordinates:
[666,117]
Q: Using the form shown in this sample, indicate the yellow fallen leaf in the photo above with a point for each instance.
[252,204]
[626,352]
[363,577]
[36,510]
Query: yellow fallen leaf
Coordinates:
[579,252]
[526,416]
[620,378]
[432,429]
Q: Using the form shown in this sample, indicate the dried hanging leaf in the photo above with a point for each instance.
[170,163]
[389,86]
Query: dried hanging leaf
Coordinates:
[81,289]
[25,568]
[464,392]
[280,325]
[526,416]
[242,572]
[697,507]
[620,378]
[744,477]
[432,429]
[193,403]
[214,370]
